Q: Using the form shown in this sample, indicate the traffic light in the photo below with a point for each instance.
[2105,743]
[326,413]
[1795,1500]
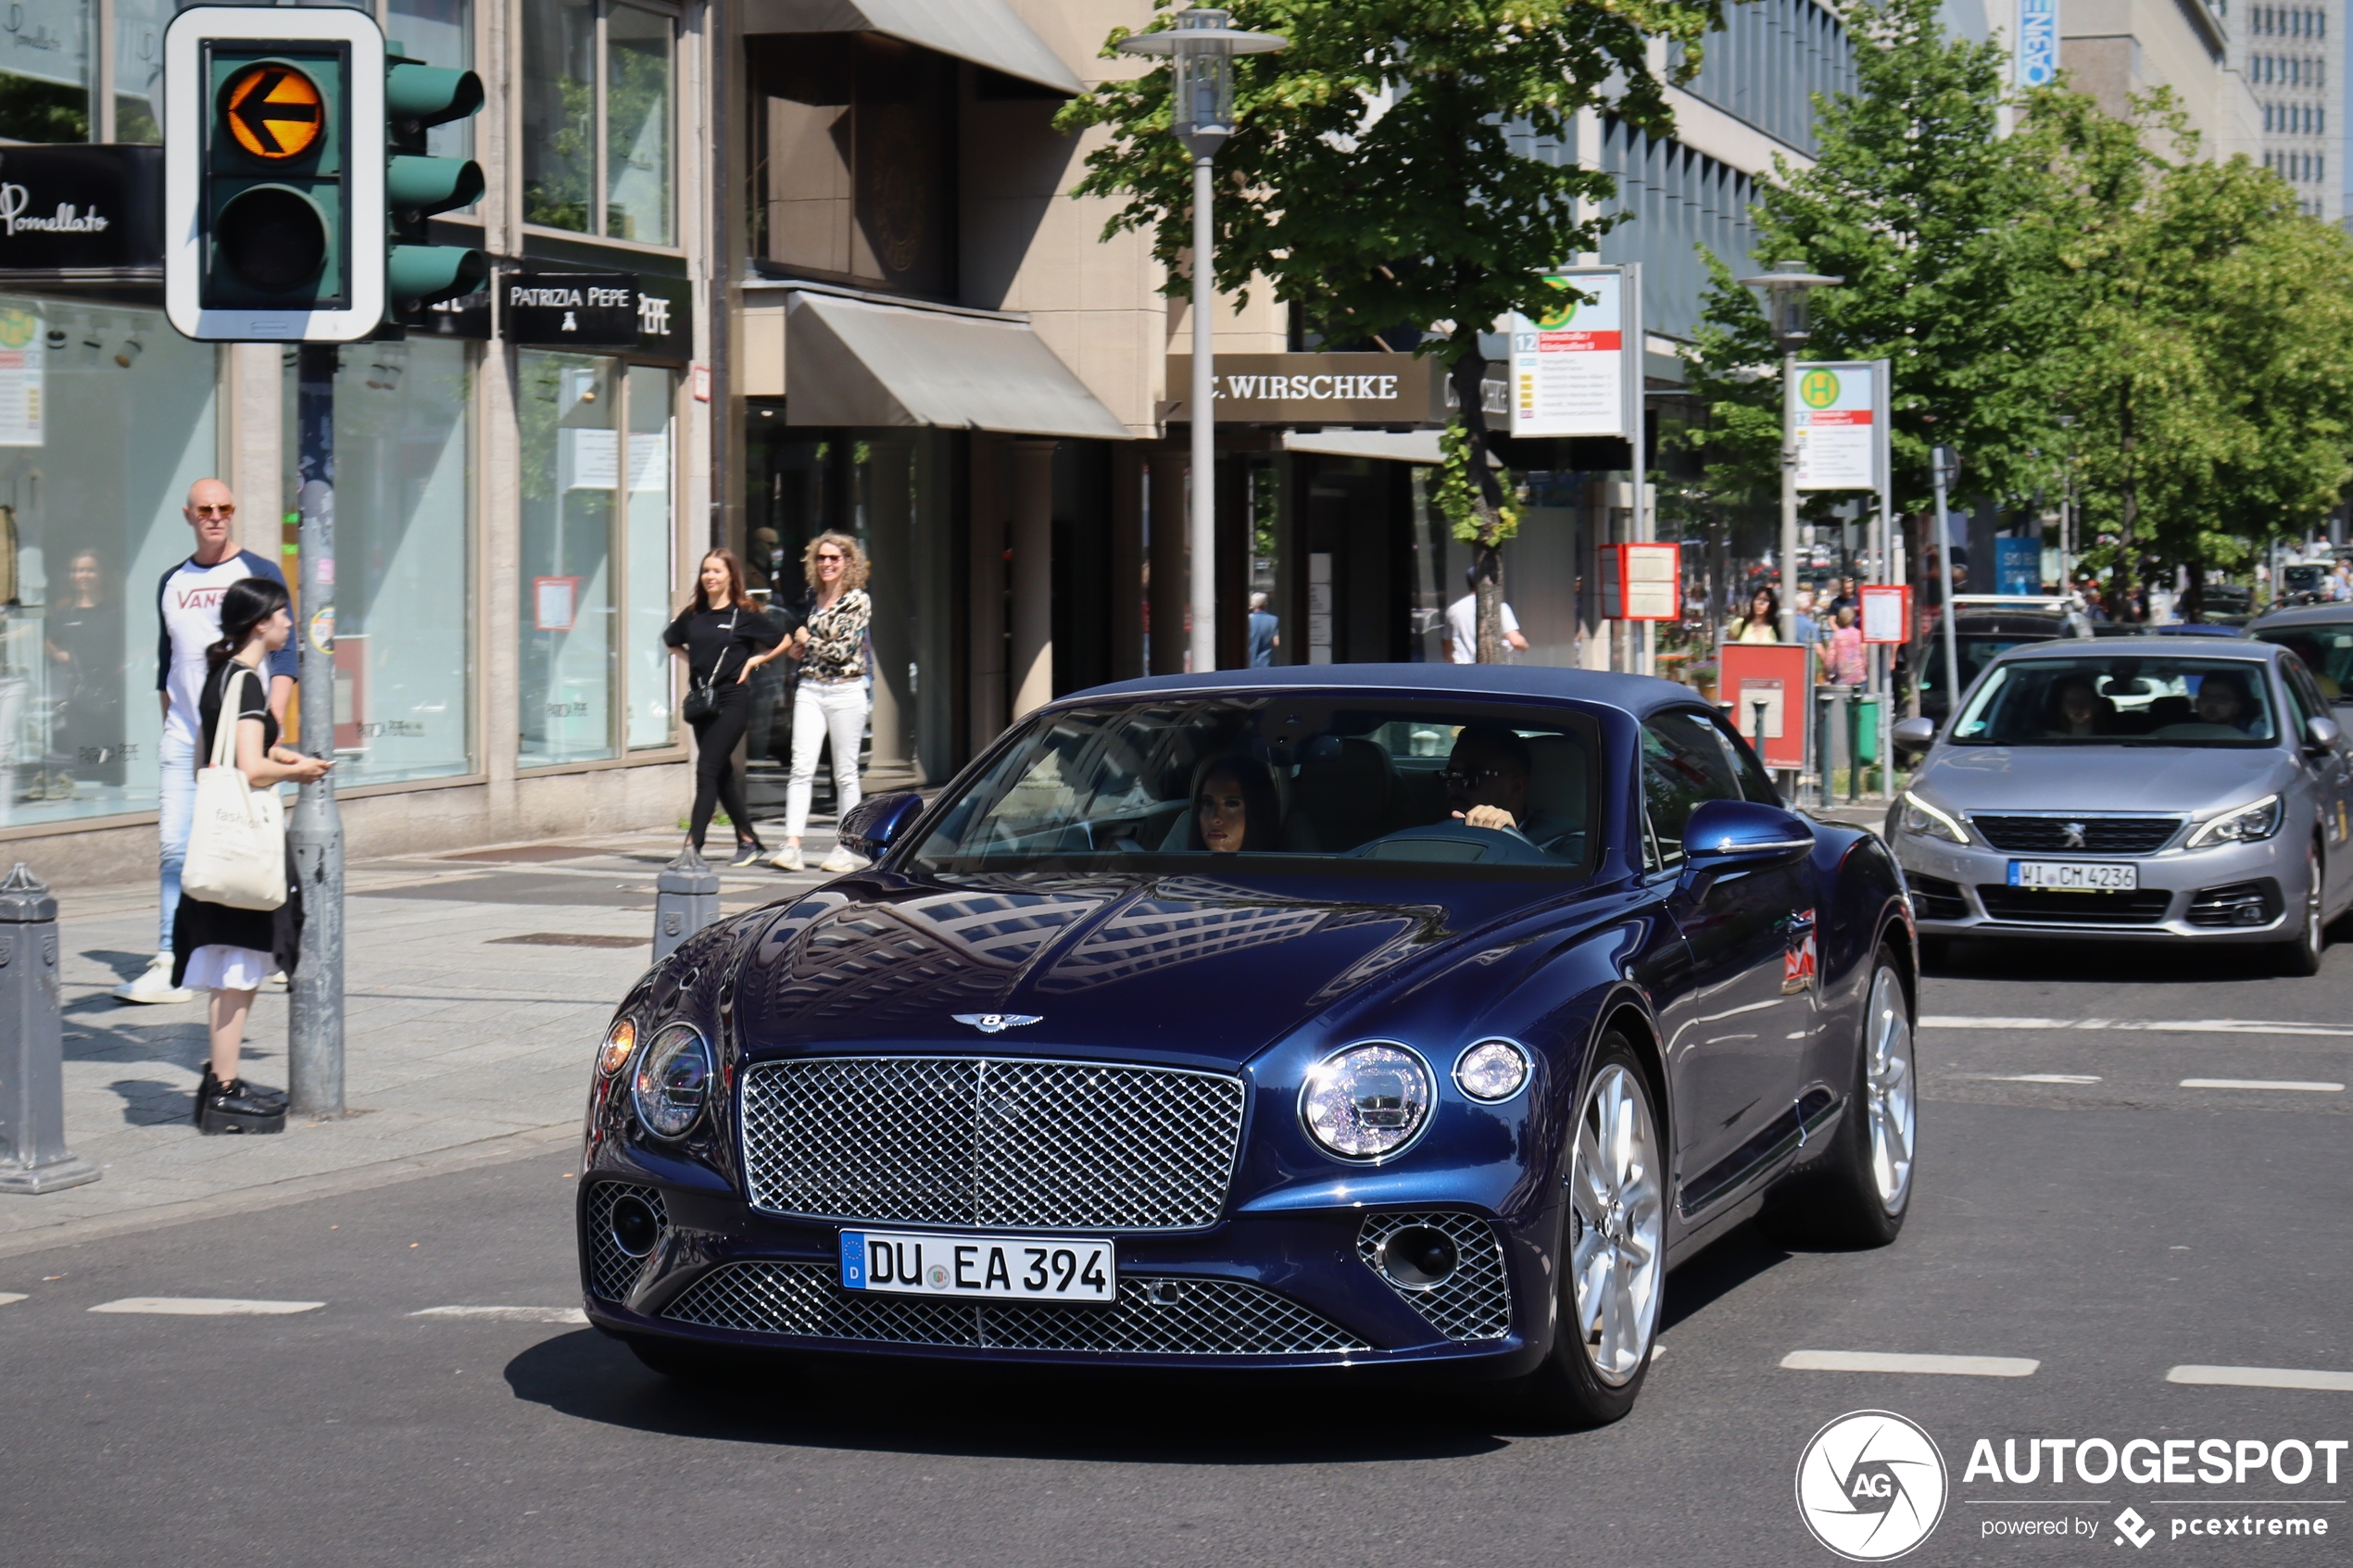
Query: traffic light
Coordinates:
[418,97]
[274,173]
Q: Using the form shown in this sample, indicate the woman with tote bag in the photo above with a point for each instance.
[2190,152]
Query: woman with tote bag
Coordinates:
[236,923]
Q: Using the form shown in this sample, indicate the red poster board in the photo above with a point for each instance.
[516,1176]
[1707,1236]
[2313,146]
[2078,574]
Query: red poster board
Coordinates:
[1887,613]
[1780,676]
[1641,581]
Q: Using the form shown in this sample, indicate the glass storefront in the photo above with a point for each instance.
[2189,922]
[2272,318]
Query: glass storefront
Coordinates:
[45,75]
[597,562]
[404,556]
[106,417]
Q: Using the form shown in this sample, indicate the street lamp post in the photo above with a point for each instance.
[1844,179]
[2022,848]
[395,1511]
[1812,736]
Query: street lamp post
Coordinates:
[1787,288]
[2066,508]
[1203,47]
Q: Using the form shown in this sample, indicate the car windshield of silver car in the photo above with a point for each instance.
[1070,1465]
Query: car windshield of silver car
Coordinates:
[2121,700]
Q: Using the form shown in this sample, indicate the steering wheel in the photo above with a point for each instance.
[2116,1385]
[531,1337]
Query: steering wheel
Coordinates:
[1455,842]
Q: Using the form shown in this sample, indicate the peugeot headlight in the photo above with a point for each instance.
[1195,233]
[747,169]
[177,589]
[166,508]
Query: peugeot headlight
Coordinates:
[674,1079]
[1367,1101]
[1492,1070]
[1931,821]
[2250,823]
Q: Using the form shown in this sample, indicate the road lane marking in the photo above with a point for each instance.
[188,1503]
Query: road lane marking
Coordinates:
[1873,1360]
[2298,1085]
[8,1296]
[2262,1378]
[2030,1077]
[205,1306]
[2138,1025]
[509,1314]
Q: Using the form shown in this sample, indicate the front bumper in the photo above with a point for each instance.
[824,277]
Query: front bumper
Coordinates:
[2206,896]
[1294,1289]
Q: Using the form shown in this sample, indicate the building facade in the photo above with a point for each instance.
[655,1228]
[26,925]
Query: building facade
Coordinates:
[2287,55]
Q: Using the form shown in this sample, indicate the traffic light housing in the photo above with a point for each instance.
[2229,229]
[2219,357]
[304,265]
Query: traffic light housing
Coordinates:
[417,97]
[274,173]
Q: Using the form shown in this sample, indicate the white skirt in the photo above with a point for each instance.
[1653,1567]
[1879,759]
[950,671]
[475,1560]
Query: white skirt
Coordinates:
[217,967]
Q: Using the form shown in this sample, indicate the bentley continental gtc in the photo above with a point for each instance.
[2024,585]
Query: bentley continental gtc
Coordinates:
[1325,1018]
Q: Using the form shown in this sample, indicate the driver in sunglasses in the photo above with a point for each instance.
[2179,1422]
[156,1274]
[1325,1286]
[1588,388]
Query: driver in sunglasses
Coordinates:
[1487,776]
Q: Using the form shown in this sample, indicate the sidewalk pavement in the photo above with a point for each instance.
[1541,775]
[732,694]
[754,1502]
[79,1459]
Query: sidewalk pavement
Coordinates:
[477,987]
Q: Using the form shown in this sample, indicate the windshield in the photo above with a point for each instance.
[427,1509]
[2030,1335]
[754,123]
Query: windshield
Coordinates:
[2120,700]
[2327,652]
[1311,782]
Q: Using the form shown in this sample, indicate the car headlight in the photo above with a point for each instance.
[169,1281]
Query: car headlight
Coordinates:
[1366,1101]
[2250,823]
[1492,1070]
[674,1079]
[617,1047]
[1929,822]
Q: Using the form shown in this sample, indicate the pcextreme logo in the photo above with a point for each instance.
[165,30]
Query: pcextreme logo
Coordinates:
[1871,1486]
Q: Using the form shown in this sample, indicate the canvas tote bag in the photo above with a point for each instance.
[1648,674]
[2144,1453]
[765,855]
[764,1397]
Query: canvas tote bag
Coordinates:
[237,843]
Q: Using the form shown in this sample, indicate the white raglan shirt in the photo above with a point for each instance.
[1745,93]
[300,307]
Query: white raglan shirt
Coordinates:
[190,610]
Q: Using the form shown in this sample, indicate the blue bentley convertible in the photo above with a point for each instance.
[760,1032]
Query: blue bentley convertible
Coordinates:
[1335,1017]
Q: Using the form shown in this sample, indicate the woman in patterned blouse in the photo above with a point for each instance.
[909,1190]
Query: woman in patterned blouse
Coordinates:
[830,702]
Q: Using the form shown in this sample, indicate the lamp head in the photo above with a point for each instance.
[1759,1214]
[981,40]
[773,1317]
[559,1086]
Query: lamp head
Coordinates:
[1202,48]
[1788,287]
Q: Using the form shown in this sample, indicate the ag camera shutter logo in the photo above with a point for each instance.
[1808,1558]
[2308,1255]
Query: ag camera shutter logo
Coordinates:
[1871,1486]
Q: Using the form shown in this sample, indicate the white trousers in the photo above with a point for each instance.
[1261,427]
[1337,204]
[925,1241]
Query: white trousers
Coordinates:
[823,711]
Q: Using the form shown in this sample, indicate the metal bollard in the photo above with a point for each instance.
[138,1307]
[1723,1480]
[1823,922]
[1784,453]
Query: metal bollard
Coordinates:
[686,899]
[34,1156]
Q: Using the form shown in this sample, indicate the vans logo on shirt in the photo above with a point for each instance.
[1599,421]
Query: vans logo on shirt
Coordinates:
[201,598]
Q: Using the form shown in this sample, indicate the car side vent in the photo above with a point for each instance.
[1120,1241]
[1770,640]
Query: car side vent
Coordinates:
[626,1224]
[1935,899]
[1448,1267]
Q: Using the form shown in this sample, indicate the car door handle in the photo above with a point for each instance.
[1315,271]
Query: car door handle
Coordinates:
[1802,920]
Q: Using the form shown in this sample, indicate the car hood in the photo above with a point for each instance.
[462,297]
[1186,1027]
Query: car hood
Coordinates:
[2100,778]
[1200,969]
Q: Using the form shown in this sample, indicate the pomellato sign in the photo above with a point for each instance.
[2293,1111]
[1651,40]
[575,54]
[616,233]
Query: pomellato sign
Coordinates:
[85,212]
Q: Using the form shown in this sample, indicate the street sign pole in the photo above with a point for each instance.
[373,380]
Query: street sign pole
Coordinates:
[1945,467]
[314,1056]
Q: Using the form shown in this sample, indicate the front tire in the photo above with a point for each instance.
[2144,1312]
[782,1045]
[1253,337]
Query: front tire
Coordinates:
[1859,1192]
[2301,959]
[1611,1264]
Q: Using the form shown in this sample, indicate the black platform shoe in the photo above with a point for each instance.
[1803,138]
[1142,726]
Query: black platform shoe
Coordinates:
[209,1089]
[233,1107]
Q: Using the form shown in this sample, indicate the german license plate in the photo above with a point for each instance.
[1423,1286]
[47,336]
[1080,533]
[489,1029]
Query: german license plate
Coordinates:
[2076,876]
[1006,1268]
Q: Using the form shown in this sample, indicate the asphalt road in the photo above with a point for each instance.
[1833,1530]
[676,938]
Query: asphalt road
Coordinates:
[2107,1232]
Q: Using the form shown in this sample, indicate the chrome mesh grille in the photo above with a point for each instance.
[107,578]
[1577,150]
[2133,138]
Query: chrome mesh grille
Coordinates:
[1153,1316]
[611,1272]
[1475,1302]
[987,1141]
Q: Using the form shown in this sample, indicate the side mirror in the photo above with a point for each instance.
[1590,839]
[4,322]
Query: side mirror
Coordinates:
[2322,735]
[1724,836]
[877,823]
[1913,734]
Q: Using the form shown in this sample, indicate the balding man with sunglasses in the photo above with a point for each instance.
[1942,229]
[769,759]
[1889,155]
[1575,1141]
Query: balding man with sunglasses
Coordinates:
[188,607]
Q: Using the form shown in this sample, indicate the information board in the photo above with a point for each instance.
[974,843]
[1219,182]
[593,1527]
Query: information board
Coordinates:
[1773,682]
[1574,371]
[1641,581]
[1841,426]
[1887,613]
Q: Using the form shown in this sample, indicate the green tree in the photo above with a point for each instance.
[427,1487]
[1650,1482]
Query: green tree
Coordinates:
[1373,181]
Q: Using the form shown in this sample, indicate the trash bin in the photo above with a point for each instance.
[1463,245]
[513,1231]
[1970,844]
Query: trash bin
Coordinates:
[1867,741]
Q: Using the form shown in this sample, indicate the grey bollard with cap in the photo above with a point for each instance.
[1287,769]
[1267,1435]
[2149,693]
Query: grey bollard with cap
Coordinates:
[686,899]
[34,1156]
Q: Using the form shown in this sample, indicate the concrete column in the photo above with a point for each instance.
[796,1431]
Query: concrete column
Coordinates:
[986,580]
[890,532]
[498,558]
[256,470]
[1169,588]
[1033,576]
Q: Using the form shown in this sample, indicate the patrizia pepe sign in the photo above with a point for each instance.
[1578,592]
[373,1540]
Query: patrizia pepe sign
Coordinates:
[86,211]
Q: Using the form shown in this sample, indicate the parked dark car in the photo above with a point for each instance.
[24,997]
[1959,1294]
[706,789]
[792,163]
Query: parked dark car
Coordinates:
[1518,987]
[1985,626]
[2323,637]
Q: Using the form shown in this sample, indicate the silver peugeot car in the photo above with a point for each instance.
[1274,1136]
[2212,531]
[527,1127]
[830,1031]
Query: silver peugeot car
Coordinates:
[2167,788]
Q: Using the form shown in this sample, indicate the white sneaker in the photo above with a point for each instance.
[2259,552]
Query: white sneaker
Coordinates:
[154,985]
[840,860]
[277,979]
[788,859]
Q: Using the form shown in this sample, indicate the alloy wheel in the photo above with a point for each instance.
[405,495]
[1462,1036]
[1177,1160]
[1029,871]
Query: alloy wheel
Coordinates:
[1887,1090]
[1616,1224]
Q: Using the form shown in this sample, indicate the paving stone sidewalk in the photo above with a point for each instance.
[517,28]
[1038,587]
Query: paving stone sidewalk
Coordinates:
[477,987]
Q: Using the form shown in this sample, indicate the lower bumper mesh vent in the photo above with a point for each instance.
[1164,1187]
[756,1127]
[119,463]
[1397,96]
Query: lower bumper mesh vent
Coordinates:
[1153,1316]
[1473,1302]
[613,1269]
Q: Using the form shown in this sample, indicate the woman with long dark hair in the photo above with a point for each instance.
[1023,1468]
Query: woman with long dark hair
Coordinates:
[723,636]
[1236,807]
[227,951]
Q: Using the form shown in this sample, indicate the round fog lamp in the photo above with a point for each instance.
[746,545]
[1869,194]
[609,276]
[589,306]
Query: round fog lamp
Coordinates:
[1492,1070]
[635,1226]
[1419,1257]
[674,1079]
[617,1047]
[1367,1101]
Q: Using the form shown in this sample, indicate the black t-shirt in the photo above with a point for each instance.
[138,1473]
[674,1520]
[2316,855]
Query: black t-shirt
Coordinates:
[736,634]
[253,702]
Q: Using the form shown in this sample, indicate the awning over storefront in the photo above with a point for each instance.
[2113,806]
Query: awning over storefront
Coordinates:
[853,362]
[1390,446]
[987,32]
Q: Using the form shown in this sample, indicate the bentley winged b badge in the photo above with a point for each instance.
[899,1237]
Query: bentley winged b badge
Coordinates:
[997,1022]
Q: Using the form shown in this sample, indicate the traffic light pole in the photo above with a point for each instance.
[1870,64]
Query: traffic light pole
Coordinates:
[314,1055]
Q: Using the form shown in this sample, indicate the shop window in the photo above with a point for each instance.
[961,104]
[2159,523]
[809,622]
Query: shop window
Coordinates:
[440,32]
[44,73]
[138,68]
[404,554]
[106,417]
[853,159]
[599,83]
[597,567]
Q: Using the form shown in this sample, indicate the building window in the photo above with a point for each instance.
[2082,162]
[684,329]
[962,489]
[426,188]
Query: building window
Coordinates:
[44,73]
[598,89]
[404,542]
[106,417]
[440,32]
[598,566]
